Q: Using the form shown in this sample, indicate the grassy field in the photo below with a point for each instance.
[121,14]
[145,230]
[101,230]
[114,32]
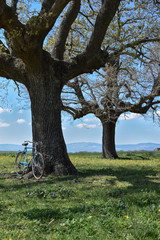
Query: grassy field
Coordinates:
[110,199]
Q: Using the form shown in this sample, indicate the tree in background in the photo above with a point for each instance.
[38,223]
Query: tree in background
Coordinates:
[109,96]
[24,59]
[131,79]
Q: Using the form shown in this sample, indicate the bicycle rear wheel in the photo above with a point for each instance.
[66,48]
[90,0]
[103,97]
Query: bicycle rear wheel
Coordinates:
[20,164]
[38,166]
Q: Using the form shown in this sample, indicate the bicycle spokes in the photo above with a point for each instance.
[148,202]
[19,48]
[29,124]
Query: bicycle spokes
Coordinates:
[38,166]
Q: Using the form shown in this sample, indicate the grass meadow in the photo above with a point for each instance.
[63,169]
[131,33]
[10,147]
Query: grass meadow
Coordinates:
[108,200]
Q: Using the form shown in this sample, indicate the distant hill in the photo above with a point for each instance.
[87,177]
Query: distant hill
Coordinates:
[138,147]
[91,147]
[97,147]
[84,146]
[10,147]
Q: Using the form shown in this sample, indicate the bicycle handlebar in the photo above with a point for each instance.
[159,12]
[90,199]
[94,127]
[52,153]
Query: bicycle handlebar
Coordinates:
[27,141]
[36,143]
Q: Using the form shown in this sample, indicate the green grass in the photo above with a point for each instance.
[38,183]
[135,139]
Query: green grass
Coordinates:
[110,199]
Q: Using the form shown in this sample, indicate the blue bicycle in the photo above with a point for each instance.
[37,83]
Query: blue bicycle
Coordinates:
[36,162]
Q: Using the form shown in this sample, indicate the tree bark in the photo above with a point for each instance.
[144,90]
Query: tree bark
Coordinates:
[46,124]
[108,140]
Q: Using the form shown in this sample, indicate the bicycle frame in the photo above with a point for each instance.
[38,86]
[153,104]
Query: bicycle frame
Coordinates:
[25,151]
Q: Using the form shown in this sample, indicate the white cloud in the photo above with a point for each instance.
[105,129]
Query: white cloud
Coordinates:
[30,124]
[20,121]
[1,110]
[158,112]
[95,119]
[63,128]
[89,119]
[4,110]
[129,116]
[85,125]
[92,126]
[3,124]
[20,111]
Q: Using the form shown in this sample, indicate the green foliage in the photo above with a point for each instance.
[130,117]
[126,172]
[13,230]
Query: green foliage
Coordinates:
[109,199]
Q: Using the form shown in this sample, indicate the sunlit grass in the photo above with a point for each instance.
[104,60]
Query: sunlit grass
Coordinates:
[109,199]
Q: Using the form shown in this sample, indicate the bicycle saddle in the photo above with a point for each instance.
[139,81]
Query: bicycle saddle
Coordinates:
[24,144]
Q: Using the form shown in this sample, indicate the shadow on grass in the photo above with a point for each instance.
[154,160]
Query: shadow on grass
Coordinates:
[135,158]
[5,176]
[130,175]
[56,214]
[42,214]
[148,155]
[143,179]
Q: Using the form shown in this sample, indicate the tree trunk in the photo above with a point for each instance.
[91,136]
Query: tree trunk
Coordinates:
[46,125]
[108,140]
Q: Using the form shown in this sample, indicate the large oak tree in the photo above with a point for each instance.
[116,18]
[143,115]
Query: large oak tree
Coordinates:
[23,59]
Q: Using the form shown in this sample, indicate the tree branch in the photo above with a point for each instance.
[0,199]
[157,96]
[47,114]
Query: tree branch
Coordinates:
[39,26]
[104,17]
[46,5]
[93,57]
[14,5]
[16,69]
[68,109]
[78,91]
[136,43]
[147,101]
[9,19]
[3,48]
[90,89]
[86,106]
[66,23]
[87,19]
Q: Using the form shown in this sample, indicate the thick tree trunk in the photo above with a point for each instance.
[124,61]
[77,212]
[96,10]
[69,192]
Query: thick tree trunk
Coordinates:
[46,125]
[108,140]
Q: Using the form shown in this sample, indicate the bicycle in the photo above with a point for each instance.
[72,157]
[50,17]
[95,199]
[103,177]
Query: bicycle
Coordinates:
[22,163]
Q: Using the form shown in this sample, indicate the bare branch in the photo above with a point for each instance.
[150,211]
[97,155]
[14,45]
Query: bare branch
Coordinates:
[68,109]
[78,91]
[90,5]
[137,43]
[90,89]
[87,18]
[156,86]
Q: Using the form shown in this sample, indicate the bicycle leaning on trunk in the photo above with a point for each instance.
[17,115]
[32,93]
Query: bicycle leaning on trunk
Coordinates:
[36,163]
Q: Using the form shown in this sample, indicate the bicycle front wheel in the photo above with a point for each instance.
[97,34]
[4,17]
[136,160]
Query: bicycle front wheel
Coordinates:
[38,166]
[20,164]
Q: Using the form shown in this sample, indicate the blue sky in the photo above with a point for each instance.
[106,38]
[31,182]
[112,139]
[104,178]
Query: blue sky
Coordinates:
[15,126]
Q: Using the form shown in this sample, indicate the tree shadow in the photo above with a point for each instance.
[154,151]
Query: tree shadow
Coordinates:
[51,213]
[143,179]
[138,155]
[7,175]
[42,214]
[136,158]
